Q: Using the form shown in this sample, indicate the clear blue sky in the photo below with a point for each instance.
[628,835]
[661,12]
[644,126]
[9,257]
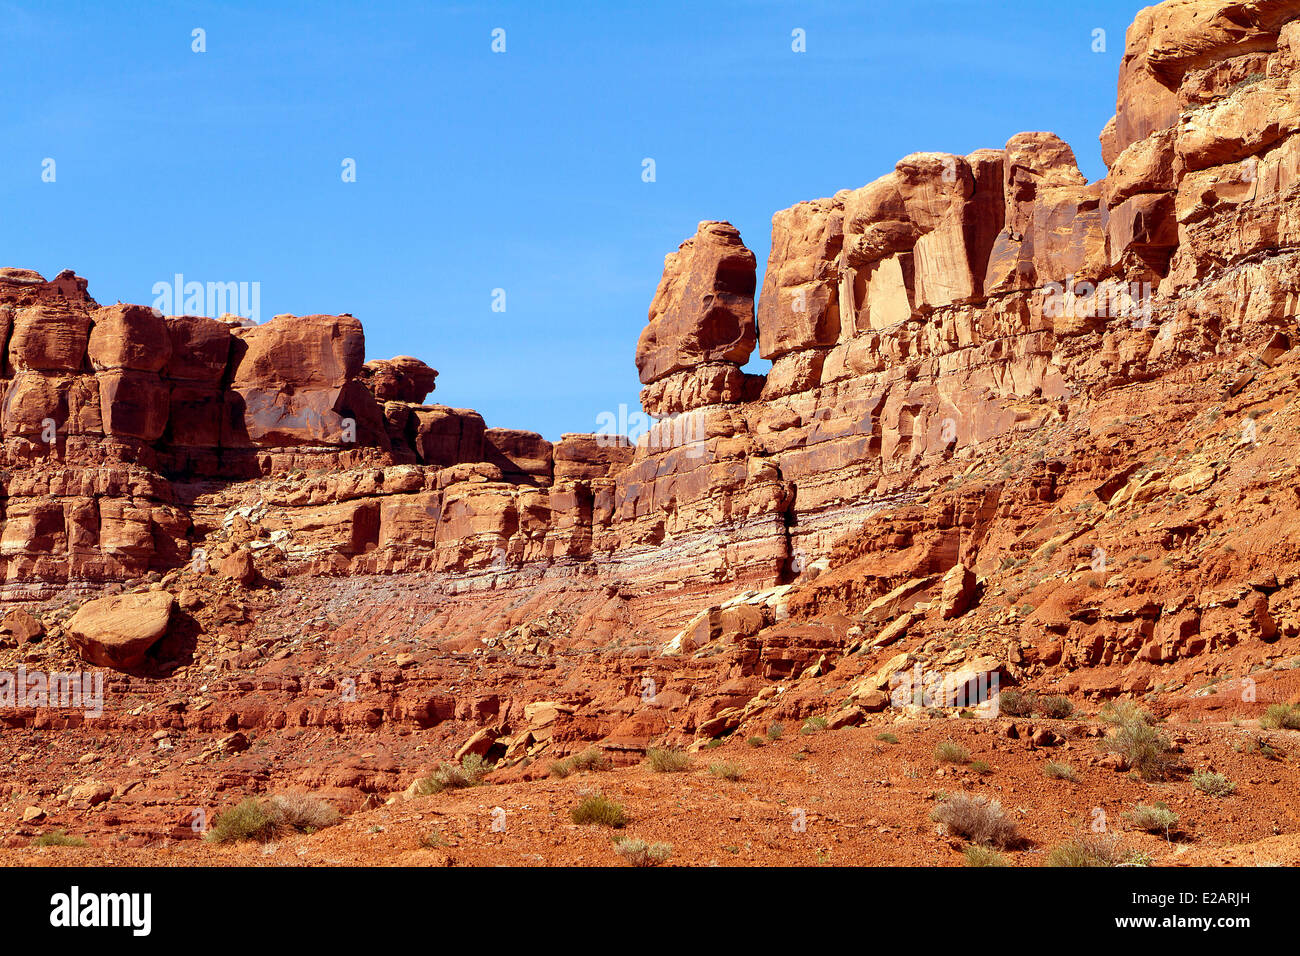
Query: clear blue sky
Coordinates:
[478,171]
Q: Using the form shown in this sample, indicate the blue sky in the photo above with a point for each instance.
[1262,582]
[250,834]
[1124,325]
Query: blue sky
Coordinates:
[478,170]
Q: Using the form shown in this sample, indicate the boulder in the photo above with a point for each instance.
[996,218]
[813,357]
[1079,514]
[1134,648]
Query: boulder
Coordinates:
[118,631]
[703,309]
[239,567]
[956,592]
[49,338]
[400,379]
[129,337]
[19,628]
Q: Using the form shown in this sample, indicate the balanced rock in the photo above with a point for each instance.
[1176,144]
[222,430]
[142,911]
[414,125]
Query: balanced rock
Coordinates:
[701,322]
[400,379]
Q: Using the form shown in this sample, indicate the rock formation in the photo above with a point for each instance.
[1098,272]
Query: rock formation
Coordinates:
[946,303]
[998,393]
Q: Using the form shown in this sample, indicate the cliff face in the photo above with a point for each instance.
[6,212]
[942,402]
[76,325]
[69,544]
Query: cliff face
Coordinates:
[1016,424]
[951,301]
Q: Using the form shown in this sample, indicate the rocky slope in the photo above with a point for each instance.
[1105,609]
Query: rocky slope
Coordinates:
[1016,425]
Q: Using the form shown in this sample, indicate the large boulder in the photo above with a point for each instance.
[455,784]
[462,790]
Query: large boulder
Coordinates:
[702,315]
[400,379]
[129,337]
[799,307]
[296,381]
[19,628]
[200,353]
[118,631]
[50,338]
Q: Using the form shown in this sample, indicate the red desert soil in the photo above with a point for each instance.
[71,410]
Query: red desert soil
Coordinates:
[865,802]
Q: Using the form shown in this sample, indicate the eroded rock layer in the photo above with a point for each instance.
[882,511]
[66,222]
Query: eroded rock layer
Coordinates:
[950,301]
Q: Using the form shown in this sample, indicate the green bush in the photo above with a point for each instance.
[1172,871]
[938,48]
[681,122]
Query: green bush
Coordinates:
[599,810]
[983,856]
[1056,706]
[450,776]
[590,759]
[1060,771]
[640,853]
[247,820]
[264,819]
[814,725]
[1154,818]
[1281,717]
[667,760]
[774,731]
[1099,849]
[57,838]
[1213,784]
[978,819]
[949,751]
[1015,703]
[1142,746]
[726,770]
[887,738]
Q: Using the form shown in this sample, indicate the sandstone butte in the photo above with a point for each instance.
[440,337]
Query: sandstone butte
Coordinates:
[972,456]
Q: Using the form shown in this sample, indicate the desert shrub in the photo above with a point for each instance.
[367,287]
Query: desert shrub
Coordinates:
[264,819]
[1213,784]
[775,731]
[981,767]
[247,820]
[1015,703]
[1281,717]
[1057,706]
[814,725]
[667,760]
[977,855]
[57,838]
[450,776]
[297,811]
[1153,818]
[977,819]
[1060,771]
[1257,744]
[1094,849]
[590,759]
[1250,80]
[755,742]
[1142,746]
[599,810]
[640,853]
[949,751]
[887,738]
[726,770]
